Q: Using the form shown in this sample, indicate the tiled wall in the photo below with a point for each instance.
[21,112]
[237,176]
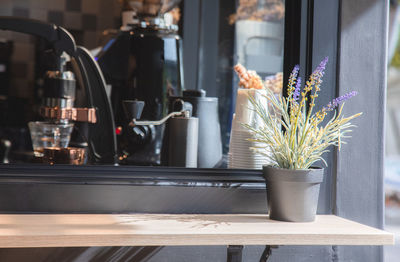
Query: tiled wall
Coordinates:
[85,19]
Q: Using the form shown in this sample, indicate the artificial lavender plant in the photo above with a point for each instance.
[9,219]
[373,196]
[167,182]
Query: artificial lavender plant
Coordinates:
[294,135]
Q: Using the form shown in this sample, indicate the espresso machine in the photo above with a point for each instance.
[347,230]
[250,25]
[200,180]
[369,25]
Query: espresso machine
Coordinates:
[74,89]
[142,61]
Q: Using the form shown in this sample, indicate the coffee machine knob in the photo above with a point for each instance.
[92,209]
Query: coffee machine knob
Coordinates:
[140,134]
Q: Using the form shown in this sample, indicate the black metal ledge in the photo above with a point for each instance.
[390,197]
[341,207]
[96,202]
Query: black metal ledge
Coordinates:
[131,175]
[125,189]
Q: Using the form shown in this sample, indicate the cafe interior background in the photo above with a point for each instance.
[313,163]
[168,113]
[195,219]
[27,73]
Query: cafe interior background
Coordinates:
[93,23]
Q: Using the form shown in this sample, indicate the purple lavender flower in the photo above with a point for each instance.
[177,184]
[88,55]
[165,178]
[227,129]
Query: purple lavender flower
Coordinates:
[321,67]
[296,93]
[335,102]
[295,71]
[292,79]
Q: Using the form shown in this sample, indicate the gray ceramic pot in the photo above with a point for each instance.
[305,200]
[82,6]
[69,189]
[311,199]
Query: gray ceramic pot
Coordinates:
[292,194]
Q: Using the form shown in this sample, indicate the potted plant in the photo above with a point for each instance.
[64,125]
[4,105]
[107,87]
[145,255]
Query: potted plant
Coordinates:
[296,136]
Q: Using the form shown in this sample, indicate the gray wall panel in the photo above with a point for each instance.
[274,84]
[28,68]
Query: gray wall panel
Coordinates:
[325,44]
[362,67]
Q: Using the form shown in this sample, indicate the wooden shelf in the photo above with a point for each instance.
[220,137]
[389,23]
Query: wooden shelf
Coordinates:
[168,230]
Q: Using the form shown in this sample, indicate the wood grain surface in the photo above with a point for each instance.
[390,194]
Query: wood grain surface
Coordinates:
[74,230]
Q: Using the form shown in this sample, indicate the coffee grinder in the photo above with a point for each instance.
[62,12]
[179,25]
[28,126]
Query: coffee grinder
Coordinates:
[142,61]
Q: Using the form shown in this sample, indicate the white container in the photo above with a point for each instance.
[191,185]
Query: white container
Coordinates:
[241,154]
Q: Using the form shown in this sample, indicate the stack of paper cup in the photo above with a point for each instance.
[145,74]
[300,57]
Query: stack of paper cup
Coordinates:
[241,154]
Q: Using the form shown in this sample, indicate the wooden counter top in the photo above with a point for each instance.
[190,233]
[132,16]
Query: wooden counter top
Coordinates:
[68,230]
